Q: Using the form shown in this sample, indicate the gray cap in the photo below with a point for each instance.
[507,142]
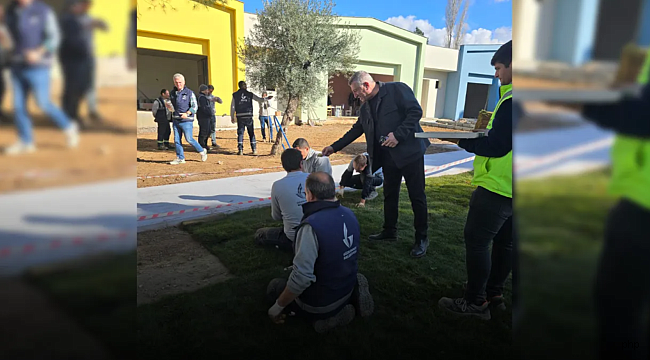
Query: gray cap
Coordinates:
[203,88]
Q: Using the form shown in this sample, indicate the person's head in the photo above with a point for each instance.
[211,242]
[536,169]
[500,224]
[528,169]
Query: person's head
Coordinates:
[164,93]
[362,85]
[291,160]
[179,81]
[264,94]
[320,186]
[24,2]
[203,89]
[360,162]
[502,62]
[242,85]
[210,89]
[301,145]
[75,7]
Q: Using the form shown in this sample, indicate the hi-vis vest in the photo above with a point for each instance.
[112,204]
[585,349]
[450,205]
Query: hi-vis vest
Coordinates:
[495,174]
[631,161]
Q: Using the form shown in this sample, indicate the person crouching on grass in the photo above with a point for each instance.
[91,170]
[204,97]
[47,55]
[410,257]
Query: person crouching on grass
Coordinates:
[366,181]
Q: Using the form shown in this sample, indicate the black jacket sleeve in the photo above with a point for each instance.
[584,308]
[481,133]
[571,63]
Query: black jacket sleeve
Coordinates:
[630,116]
[406,101]
[349,137]
[498,143]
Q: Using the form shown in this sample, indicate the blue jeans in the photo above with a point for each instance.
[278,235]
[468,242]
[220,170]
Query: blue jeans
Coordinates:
[184,127]
[266,120]
[36,79]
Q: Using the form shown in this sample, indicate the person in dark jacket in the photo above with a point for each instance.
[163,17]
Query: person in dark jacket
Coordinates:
[366,181]
[35,33]
[204,115]
[324,286]
[162,113]
[76,56]
[185,107]
[389,117]
[241,111]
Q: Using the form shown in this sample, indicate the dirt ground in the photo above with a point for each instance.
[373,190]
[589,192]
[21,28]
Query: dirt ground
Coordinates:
[105,152]
[153,163]
[171,262]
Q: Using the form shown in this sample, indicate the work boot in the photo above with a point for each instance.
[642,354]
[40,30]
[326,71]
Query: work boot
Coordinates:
[344,317]
[362,300]
[166,145]
[161,146]
[495,301]
[420,248]
[462,307]
[383,236]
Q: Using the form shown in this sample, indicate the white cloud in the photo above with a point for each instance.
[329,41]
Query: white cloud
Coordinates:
[437,36]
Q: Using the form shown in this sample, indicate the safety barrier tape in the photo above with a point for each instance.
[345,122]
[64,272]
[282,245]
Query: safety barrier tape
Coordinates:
[58,243]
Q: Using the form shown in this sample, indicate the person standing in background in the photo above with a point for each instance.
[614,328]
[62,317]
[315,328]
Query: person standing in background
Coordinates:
[241,111]
[162,110]
[35,33]
[213,121]
[6,44]
[265,119]
[90,24]
[204,116]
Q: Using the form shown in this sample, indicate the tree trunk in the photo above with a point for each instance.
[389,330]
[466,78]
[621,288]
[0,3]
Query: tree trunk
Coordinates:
[292,105]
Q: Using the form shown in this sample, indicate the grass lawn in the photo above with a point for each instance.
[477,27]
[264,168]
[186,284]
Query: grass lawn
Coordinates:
[101,298]
[561,221]
[228,320]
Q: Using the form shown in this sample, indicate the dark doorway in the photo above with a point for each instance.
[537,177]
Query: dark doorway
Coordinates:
[618,24]
[475,100]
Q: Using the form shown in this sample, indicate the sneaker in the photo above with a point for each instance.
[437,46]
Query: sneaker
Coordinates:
[495,302]
[344,317]
[372,195]
[362,300]
[240,152]
[72,135]
[204,155]
[255,152]
[161,147]
[177,161]
[461,307]
[20,148]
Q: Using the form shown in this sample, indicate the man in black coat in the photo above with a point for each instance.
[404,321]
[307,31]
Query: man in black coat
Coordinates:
[389,116]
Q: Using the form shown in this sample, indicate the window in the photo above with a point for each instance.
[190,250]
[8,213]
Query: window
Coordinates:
[437,84]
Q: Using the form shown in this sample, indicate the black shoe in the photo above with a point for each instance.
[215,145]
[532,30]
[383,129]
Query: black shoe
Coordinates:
[420,248]
[383,236]
[161,147]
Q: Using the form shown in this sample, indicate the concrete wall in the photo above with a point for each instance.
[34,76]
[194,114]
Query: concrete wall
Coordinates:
[156,31]
[433,100]
[440,58]
[473,67]
[574,30]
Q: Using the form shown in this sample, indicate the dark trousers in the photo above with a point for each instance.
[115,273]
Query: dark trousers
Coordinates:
[78,79]
[413,173]
[275,289]
[245,123]
[356,182]
[164,132]
[489,221]
[3,88]
[273,237]
[204,131]
[622,290]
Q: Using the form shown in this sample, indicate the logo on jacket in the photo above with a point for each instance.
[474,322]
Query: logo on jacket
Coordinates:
[347,240]
[243,98]
[301,192]
[184,96]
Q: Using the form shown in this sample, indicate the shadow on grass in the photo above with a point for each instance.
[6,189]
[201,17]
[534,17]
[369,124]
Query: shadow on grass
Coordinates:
[561,222]
[229,319]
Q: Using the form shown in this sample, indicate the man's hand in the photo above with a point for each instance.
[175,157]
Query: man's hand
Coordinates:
[33,56]
[340,192]
[184,116]
[276,315]
[390,141]
[328,150]
[218,99]
[455,141]
[361,204]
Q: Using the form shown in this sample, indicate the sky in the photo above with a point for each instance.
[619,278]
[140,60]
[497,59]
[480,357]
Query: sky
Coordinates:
[488,21]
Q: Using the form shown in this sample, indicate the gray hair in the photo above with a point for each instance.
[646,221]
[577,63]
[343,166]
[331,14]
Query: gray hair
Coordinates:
[178,76]
[360,77]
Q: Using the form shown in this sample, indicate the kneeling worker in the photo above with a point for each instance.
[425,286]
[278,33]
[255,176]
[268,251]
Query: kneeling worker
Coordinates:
[366,181]
[324,286]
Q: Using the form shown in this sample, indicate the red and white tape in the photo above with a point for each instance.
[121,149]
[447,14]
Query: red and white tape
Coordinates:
[58,243]
[171,213]
[433,169]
